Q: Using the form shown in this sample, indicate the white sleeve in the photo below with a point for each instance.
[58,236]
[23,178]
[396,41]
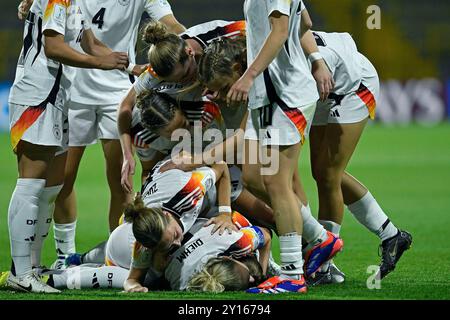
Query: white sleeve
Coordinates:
[139,84]
[145,81]
[208,177]
[157,8]
[55,16]
[282,6]
[302,6]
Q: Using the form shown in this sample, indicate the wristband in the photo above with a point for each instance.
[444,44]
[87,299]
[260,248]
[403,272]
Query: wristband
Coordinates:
[225,209]
[130,68]
[313,57]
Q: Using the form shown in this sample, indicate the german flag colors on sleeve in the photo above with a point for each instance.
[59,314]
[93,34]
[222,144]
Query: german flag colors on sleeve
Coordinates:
[55,15]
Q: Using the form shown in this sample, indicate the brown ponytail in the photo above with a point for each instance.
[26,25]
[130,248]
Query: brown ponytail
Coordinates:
[148,223]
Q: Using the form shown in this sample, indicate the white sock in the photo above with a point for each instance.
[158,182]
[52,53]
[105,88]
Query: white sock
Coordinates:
[369,213]
[44,220]
[335,228]
[65,237]
[291,255]
[331,226]
[22,218]
[313,231]
[91,278]
[96,254]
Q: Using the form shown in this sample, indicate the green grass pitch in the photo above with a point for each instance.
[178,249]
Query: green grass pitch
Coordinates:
[406,168]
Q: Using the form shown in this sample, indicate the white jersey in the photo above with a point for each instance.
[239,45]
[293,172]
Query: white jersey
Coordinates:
[192,256]
[203,33]
[142,257]
[287,80]
[38,78]
[116,24]
[119,246]
[181,193]
[343,59]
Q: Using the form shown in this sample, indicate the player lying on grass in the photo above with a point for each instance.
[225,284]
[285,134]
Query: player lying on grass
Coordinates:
[225,258]
[178,198]
[205,261]
[218,78]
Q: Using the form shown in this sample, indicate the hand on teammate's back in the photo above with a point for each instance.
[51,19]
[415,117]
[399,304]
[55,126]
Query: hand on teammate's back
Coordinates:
[182,161]
[221,223]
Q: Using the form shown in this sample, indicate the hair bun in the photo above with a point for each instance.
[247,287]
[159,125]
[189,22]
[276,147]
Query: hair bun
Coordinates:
[155,32]
[133,210]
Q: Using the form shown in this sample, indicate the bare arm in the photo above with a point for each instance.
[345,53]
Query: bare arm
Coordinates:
[124,118]
[320,71]
[223,183]
[264,252]
[231,144]
[224,220]
[57,49]
[217,153]
[134,281]
[92,46]
[172,24]
[277,37]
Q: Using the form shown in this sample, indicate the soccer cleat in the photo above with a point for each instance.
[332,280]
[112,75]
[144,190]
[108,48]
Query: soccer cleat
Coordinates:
[29,283]
[337,276]
[321,253]
[276,285]
[73,259]
[331,276]
[273,269]
[391,251]
[60,263]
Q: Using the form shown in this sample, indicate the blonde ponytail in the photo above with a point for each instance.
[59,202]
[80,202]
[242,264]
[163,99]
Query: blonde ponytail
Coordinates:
[167,48]
[217,275]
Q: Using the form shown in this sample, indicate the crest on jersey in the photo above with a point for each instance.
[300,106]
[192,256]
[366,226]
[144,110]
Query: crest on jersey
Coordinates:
[57,132]
[124,2]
